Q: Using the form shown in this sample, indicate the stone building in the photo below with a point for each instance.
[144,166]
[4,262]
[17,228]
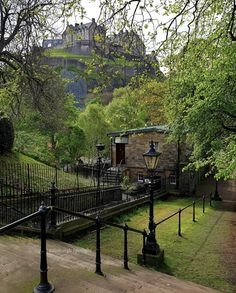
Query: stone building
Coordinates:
[83,37]
[127,148]
[127,43]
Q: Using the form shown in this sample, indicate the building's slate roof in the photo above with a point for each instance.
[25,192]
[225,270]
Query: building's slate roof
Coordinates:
[157,128]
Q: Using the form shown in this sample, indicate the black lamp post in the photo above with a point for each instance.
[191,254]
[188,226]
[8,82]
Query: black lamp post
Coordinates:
[100,147]
[216,194]
[151,160]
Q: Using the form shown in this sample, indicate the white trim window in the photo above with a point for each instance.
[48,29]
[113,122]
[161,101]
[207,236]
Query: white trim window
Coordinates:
[140,177]
[172,179]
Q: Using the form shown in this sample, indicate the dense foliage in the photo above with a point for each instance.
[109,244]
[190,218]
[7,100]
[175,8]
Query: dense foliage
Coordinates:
[195,40]
[6,135]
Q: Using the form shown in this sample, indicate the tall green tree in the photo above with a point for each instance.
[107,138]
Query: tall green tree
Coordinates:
[95,127]
[125,112]
[202,105]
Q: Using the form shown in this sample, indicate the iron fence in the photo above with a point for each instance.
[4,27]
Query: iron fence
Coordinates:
[107,176]
[42,212]
[22,178]
[77,200]
[180,210]
[17,179]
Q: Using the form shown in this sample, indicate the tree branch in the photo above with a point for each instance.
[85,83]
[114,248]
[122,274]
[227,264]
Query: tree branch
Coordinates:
[229,128]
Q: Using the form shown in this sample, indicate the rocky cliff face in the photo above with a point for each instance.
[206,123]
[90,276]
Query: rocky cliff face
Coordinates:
[72,69]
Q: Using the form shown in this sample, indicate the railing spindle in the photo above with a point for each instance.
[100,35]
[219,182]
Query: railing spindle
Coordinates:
[194,211]
[98,249]
[53,220]
[126,247]
[44,286]
[179,226]
[203,204]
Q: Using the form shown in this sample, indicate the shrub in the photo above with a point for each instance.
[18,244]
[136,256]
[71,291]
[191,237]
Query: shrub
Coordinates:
[6,135]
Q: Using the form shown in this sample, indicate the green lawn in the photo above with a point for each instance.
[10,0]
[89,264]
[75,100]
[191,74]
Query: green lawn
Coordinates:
[195,256]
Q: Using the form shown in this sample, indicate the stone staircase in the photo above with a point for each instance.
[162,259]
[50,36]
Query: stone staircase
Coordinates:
[71,270]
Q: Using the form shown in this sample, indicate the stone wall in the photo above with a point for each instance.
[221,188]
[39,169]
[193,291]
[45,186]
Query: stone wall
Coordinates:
[168,161]
[139,144]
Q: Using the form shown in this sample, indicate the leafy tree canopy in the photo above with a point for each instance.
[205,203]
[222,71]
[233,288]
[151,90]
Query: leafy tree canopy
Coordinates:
[95,127]
[202,105]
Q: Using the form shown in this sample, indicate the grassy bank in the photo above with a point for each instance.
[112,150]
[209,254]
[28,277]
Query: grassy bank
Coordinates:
[61,53]
[20,171]
[196,256]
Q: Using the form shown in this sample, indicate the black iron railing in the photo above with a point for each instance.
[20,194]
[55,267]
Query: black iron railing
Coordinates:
[98,222]
[17,179]
[85,199]
[107,176]
[44,285]
[180,210]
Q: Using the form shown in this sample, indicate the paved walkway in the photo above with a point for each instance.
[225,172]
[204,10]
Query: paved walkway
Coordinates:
[226,189]
[71,270]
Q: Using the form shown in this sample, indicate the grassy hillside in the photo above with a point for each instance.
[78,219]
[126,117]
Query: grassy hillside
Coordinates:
[87,58]
[15,157]
[19,173]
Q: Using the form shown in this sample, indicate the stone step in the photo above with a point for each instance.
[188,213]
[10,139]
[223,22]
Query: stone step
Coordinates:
[71,270]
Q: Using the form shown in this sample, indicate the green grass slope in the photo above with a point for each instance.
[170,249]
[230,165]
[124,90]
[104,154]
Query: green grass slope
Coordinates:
[19,172]
[197,256]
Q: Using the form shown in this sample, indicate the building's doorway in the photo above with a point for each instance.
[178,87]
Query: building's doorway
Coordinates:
[120,153]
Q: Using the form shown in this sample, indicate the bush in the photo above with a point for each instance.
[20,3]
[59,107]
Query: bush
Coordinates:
[6,135]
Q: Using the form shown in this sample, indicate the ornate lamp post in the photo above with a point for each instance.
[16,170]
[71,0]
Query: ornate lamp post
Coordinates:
[151,158]
[100,147]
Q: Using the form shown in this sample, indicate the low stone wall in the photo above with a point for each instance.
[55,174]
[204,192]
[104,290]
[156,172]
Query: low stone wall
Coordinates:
[72,227]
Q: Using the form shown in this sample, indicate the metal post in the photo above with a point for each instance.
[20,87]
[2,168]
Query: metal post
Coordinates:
[53,220]
[203,204]
[179,228]
[44,286]
[143,250]
[194,211]
[151,246]
[77,174]
[56,176]
[98,182]
[28,178]
[210,199]
[98,249]
[126,247]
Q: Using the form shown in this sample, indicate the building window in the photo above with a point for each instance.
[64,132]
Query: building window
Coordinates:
[172,179]
[140,177]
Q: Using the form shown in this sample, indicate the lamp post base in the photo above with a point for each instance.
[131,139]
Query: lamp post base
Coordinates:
[154,261]
[151,247]
[44,288]
[216,197]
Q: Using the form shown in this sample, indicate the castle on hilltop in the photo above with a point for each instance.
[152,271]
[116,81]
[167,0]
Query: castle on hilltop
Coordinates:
[84,38]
